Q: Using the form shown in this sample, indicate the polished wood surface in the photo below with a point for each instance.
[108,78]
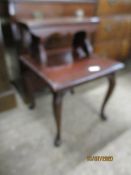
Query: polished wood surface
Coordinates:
[44,28]
[114,16]
[106,30]
[61,77]
[52,39]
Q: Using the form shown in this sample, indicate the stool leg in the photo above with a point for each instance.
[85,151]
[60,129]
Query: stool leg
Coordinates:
[111,79]
[57,107]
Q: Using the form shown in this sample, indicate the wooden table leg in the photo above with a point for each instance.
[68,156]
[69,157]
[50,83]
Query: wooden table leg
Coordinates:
[72,91]
[57,107]
[29,90]
[111,79]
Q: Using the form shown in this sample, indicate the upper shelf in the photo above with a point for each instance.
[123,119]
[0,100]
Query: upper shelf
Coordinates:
[59,21]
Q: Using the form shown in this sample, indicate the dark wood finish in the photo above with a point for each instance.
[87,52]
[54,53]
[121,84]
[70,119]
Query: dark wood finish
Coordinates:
[111,40]
[115,27]
[29,89]
[57,107]
[111,79]
[4,8]
[44,28]
[54,34]
[63,78]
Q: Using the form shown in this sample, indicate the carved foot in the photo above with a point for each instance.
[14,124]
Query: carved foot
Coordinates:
[32,106]
[57,142]
[72,91]
[103,117]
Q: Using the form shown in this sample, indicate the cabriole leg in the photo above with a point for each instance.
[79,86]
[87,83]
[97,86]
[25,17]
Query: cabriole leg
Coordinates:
[111,79]
[57,107]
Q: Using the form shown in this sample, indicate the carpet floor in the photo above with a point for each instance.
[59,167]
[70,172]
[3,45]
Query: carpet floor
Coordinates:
[120,149]
[26,136]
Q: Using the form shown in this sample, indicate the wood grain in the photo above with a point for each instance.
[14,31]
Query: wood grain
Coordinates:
[67,76]
[48,10]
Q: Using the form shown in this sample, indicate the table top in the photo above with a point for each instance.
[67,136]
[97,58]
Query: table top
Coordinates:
[67,76]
